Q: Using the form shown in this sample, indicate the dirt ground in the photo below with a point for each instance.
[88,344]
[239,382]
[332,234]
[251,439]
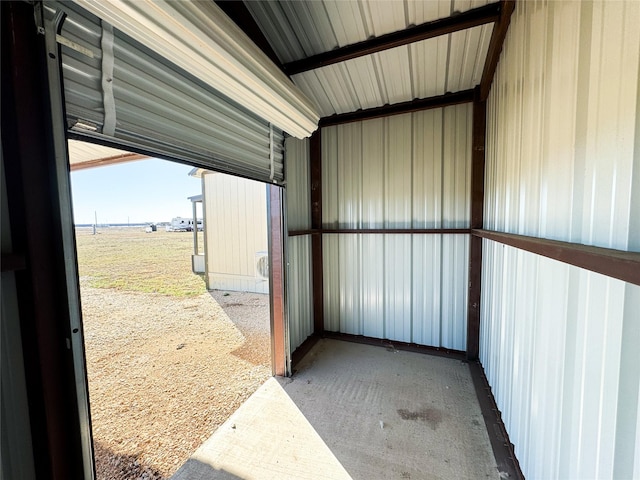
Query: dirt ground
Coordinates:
[164,372]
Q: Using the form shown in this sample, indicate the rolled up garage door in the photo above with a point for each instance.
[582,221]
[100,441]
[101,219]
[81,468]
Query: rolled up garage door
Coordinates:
[120,93]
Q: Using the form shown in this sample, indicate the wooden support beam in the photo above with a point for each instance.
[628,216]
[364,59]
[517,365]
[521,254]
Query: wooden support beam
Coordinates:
[439,101]
[477,217]
[317,281]
[495,47]
[276,285]
[618,264]
[461,21]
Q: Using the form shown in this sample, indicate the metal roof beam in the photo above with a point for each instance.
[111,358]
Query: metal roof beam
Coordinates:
[461,21]
[439,101]
[495,47]
[237,11]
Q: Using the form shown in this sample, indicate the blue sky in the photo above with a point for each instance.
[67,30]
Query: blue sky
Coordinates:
[148,190]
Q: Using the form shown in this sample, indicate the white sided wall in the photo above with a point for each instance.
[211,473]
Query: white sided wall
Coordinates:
[235,218]
[298,248]
[559,344]
[408,171]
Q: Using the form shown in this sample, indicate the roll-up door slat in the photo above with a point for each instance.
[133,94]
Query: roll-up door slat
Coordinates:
[159,108]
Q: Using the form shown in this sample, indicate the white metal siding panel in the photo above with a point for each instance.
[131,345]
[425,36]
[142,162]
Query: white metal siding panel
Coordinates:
[456,169]
[298,248]
[398,172]
[235,220]
[300,299]
[427,185]
[405,171]
[408,288]
[559,343]
[562,155]
[331,256]
[298,194]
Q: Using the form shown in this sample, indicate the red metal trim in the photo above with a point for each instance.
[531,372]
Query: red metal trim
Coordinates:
[398,231]
[302,350]
[298,233]
[495,47]
[461,21]
[618,264]
[503,450]
[394,231]
[409,347]
[439,101]
[477,216]
[33,204]
[315,179]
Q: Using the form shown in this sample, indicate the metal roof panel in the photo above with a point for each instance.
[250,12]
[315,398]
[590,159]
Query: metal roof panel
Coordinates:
[431,67]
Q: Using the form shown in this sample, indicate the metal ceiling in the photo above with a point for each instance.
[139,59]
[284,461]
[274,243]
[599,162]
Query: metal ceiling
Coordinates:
[448,63]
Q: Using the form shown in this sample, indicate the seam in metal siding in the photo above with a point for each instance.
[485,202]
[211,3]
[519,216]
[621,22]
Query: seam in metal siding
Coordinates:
[405,171]
[160,108]
[298,201]
[559,343]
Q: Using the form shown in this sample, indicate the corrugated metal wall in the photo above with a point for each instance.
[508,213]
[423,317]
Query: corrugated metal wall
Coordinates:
[298,248]
[235,211]
[562,123]
[406,171]
[558,343]
[559,347]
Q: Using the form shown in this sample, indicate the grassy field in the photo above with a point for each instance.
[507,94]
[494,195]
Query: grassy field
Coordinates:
[131,260]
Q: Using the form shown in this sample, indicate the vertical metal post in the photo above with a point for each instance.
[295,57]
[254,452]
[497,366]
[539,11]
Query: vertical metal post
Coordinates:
[33,137]
[195,227]
[477,218]
[275,228]
[315,179]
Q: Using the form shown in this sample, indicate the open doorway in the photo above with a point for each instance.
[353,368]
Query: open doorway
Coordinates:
[167,359]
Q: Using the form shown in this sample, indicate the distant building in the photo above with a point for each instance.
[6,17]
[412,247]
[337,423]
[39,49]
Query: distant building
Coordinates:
[234,254]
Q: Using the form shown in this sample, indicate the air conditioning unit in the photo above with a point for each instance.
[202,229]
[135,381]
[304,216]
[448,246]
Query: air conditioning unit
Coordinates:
[262,265]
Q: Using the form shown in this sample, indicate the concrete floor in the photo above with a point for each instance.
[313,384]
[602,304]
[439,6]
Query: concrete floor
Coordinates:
[354,411]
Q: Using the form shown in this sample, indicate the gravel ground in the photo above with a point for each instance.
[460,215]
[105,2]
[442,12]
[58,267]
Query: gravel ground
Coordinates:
[165,372]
